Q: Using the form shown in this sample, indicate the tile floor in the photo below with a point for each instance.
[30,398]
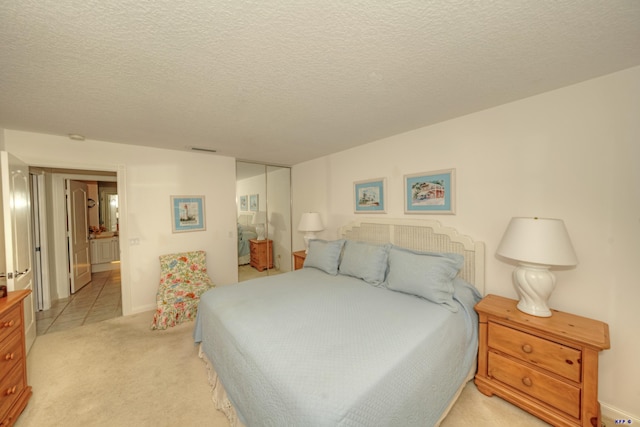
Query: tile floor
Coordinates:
[99,300]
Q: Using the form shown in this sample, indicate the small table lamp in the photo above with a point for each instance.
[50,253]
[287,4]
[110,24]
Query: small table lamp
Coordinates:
[537,244]
[310,223]
[259,218]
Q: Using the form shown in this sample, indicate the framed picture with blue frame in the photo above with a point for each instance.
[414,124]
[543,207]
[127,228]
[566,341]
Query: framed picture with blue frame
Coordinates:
[369,196]
[253,203]
[187,213]
[244,203]
[430,192]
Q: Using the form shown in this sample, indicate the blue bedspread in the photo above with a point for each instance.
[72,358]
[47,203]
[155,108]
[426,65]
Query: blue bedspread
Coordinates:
[309,349]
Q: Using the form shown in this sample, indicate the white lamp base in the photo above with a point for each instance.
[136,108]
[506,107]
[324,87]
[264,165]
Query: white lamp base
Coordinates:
[260,231]
[309,235]
[534,284]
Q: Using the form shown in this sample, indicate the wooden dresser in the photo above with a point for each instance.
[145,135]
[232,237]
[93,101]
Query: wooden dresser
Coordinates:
[14,391]
[298,259]
[261,254]
[547,366]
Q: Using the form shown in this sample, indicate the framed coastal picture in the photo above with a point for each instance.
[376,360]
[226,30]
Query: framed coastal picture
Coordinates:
[244,203]
[253,203]
[187,213]
[369,196]
[430,192]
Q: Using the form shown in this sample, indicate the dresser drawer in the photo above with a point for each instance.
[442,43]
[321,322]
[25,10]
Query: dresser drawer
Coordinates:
[543,387]
[10,388]
[11,353]
[557,358]
[10,321]
[258,249]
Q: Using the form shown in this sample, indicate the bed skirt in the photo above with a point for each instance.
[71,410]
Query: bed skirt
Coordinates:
[224,405]
[219,394]
[244,259]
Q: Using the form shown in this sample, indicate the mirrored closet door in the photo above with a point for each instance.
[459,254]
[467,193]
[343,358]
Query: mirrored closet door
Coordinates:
[263,196]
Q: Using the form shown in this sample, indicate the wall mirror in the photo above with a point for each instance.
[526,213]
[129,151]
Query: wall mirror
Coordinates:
[263,205]
[108,194]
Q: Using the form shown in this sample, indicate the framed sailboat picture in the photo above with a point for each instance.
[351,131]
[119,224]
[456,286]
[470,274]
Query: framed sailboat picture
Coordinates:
[187,213]
[369,196]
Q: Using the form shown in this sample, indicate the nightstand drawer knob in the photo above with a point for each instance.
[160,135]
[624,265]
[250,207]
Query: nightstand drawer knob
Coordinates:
[527,381]
[527,348]
[8,324]
[9,356]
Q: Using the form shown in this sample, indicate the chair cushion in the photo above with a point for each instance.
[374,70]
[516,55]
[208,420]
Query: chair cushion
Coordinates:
[183,279]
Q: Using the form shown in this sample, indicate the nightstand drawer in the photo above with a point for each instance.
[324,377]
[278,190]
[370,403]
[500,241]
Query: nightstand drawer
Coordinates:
[545,388]
[10,388]
[11,353]
[10,322]
[557,358]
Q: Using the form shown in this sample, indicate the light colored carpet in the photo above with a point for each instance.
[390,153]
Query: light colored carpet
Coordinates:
[120,373]
[246,272]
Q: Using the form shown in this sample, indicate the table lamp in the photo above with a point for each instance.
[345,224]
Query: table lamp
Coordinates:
[259,218]
[537,244]
[310,223]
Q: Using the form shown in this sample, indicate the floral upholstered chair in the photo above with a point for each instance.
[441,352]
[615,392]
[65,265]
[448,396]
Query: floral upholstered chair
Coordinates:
[183,278]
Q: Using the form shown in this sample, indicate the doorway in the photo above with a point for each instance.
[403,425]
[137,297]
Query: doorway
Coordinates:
[76,214]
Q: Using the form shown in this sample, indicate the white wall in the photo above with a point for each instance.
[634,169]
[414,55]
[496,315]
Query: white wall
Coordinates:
[573,153]
[150,177]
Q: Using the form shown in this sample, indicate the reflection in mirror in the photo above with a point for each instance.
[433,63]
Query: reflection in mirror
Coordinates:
[263,196]
[108,193]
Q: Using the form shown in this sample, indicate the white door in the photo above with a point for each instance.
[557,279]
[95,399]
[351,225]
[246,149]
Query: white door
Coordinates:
[16,252]
[79,253]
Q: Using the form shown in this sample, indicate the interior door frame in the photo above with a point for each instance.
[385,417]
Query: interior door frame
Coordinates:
[41,282]
[60,233]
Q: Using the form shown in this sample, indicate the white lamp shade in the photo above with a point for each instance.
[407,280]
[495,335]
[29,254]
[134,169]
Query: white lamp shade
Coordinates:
[543,241]
[310,221]
[259,217]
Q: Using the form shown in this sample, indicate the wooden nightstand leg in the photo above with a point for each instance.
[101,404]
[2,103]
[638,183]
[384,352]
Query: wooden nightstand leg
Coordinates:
[591,406]
[481,375]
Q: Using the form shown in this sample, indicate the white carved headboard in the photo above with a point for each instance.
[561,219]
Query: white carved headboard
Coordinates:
[245,219]
[421,235]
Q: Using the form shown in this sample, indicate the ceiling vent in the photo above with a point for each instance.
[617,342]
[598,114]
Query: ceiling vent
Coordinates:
[204,150]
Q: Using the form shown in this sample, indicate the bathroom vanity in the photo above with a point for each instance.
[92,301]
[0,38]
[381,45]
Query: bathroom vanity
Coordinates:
[104,251]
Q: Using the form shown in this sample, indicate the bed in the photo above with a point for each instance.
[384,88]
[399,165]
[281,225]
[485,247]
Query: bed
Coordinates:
[354,338]
[246,232]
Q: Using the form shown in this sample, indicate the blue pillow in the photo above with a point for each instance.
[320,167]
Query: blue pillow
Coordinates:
[365,261]
[428,275]
[324,255]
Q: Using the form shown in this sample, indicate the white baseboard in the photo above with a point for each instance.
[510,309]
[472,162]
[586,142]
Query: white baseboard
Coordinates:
[143,308]
[619,417]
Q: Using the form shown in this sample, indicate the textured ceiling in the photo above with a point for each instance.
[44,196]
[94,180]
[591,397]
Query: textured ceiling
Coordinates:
[288,80]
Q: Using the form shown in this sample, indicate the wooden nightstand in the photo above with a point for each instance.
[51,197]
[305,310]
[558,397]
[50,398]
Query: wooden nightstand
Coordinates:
[298,259]
[261,254]
[547,366]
